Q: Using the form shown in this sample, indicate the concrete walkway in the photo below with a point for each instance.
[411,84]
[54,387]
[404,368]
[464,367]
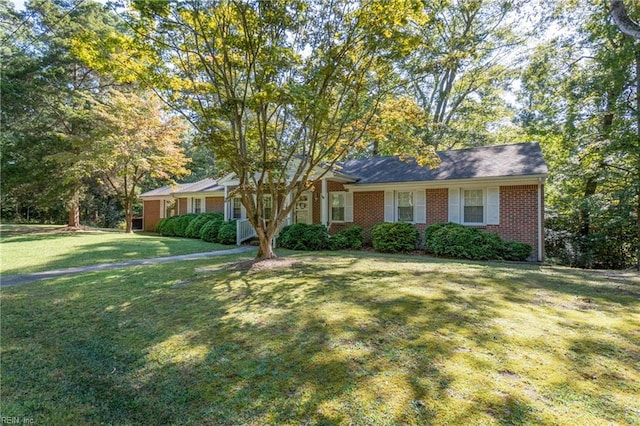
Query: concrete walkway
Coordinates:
[20,279]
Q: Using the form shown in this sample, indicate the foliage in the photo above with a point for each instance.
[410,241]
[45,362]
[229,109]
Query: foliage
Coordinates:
[167,226]
[349,238]
[193,230]
[274,89]
[463,61]
[46,120]
[611,247]
[516,251]
[227,233]
[182,223]
[464,242]
[584,110]
[302,236]
[134,140]
[209,231]
[395,237]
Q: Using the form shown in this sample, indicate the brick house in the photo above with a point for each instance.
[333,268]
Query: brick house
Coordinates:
[497,188]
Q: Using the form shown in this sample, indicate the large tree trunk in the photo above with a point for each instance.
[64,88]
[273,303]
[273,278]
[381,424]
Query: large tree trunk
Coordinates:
[74,211]
[265,250]
[128,217]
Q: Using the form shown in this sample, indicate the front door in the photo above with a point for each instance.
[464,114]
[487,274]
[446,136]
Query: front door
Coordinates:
[303,212]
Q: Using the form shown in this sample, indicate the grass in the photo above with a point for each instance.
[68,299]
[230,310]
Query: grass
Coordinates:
[25,249]
[336,338]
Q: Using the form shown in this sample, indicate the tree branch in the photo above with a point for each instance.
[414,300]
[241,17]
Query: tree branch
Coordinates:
[622,20]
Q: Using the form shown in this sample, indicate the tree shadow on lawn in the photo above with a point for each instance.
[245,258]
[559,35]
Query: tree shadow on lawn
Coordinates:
[124,248]
[316,343]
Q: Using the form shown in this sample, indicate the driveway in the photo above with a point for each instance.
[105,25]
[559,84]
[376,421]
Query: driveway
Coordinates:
[20,279]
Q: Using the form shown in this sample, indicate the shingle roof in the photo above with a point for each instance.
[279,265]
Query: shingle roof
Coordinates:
[523,159]
[163,191]
[204,185]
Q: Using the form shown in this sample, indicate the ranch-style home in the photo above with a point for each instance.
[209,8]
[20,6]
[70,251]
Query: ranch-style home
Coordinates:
[497,188]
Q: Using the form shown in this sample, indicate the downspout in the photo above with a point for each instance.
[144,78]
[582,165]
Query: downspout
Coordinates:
[540,223]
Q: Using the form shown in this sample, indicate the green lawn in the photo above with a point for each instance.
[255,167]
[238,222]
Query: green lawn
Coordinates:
[335,338]
[26,249]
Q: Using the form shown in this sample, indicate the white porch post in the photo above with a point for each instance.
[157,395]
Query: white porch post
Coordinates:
[226,204]
[324,204]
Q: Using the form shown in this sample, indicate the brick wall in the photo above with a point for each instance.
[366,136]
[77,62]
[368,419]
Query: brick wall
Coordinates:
[151,214]
[214,204]
[518,215]
[437,206]
[368,210]
[182,205]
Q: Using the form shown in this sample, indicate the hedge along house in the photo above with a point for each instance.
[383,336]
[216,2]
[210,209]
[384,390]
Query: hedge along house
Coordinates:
[497,188]
[170,200]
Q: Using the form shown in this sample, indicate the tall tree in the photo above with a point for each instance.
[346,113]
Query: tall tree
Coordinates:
[464,62]
[48,120]
[281,89]
[135,140]
[582,96]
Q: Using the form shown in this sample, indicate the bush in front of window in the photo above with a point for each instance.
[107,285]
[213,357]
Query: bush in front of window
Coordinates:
[227,233]
[209,231]
[397,237]
[195,226]
[463,242]
[302,236]
[347,239]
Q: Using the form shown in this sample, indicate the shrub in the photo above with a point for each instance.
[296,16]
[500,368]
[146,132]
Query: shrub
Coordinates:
[463,242]
[193,230]
[227,233]
[395,237]
[167,226]
[513,250]
[302,236]
[347,239]
[209,231]
[182,222]
[160,224]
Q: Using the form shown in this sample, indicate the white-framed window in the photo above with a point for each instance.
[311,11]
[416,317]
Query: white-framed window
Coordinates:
[473,206]
[405,206]
[236,208]
[337,206]
[197,205]
[267,206]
